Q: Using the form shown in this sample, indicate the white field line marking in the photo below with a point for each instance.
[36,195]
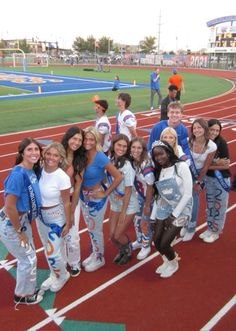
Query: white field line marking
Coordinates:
[221,313]
[103,286]
[41,248]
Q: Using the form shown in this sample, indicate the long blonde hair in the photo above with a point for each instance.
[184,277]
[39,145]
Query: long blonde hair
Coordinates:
[92,130]
[172,132]
[62,152]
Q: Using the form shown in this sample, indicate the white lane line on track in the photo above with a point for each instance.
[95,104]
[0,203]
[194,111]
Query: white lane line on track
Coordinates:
[221,313]
[105,285]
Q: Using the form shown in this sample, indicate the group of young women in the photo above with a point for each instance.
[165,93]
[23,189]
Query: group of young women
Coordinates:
[157,192]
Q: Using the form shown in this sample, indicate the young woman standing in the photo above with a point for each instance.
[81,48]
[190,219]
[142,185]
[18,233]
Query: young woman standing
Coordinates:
[94,197]
[217,185]
[174,203]
[144,180]
[123,200]
[202,151]
[21,195]
[72,141]
[54,222]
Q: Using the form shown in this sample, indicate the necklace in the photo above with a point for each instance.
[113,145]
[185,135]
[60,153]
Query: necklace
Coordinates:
[198,151]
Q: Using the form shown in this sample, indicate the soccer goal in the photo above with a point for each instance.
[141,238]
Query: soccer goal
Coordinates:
[31,59]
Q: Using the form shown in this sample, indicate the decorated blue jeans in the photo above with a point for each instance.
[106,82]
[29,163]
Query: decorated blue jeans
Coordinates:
[72,241]
[142,225]
[217,202]
[53,242]
[192,223]
[93,212]
[26,257]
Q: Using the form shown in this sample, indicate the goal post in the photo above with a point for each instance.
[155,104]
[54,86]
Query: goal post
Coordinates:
[31,59]
[22,53]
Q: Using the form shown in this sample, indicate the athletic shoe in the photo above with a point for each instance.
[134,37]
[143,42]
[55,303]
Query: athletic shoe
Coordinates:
[211,238]
[151,108]
[172,267]
[163,266]
[59,283]
[205,234]
[125,259]
[74,272]
[88,260]
[188,236]
[48,282]
[136,245]
[118,256]
[95,264]
[29,300]
[145,251]
[183,232]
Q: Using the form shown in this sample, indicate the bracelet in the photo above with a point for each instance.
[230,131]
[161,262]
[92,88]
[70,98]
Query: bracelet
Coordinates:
[21,229]
[197,182]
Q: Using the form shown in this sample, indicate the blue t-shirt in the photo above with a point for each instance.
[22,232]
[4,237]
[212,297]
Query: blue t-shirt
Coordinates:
[95,171]
[116,84]
[180,129]
[15,184]
[155,85]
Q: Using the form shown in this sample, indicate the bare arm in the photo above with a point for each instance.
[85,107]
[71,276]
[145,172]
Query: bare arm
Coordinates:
[75,195]
[102,137]
[132,130]
[147,203]
[220,164]
[65,195]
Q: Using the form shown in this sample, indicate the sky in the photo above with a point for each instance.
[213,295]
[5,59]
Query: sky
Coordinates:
[182,23]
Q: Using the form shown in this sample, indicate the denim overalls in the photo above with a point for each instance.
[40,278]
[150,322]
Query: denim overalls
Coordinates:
[169,198]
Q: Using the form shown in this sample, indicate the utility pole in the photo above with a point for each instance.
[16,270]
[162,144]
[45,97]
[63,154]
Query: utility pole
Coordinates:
[159,34]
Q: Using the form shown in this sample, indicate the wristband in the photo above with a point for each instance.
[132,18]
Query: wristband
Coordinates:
[197,182]
[21,229]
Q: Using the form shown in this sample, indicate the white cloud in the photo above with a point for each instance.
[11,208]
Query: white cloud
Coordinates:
[183,23]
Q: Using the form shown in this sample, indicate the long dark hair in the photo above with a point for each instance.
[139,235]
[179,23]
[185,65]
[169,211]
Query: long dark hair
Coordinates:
[144,154]
[79,156]
[170,153]
[215,121]
[120,161]
[22,146]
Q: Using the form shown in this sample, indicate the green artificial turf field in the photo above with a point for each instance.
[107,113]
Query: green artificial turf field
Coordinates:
[31,113]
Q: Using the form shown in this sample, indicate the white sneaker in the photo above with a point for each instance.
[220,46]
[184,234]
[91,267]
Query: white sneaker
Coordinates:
[205,234]
[59,283]
[163,266]
[95,264]
[145,251]
[151,108]
[188,236]
[136,245]
[172,267]
[211,238]
[183,232]
[48,282]
[88,260]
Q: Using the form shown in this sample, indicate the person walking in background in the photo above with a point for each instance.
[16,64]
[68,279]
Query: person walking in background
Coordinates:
[171,97]
[217,185]
[174,112]
[155,87]
[72,141]
[177,79]
[144,180]
[126,120]
[21,195]
[173,205]
[116,84]
[54,221]
[123,199]
[201,154]
[93,196]
[103,125]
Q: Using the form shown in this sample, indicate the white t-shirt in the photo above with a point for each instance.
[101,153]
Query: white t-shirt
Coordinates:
[125,120]
[200,158]
[145,175]
[51,184]
[104,127]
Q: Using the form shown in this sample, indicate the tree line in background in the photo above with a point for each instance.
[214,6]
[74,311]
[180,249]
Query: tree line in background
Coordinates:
[105,45]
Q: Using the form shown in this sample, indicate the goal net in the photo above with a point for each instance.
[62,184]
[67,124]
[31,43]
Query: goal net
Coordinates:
[31,59]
